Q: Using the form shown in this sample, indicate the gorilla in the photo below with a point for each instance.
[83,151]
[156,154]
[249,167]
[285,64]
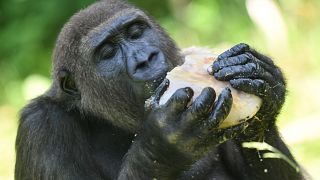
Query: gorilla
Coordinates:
[92,123]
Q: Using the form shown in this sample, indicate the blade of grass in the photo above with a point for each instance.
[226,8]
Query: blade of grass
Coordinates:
[275,153]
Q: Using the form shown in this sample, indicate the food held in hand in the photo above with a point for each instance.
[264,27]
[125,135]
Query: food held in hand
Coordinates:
[194,73]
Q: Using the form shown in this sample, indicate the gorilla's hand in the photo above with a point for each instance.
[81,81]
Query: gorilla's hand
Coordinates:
[254,73]
[192,130]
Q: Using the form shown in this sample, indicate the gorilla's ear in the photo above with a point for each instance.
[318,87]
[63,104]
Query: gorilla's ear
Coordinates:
[67,83]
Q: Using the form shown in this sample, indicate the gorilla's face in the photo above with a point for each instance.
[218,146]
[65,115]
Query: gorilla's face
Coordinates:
[132,47]
[128,48]
[123,60]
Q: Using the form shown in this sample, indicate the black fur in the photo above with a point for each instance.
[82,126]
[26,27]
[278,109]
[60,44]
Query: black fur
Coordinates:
[92,123]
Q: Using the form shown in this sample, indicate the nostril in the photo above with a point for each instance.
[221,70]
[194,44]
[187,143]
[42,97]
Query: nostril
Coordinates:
[142,65]
[152,56]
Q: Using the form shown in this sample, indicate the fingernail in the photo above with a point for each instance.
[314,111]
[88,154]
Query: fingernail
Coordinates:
[227,88]
[210,70]
[189,90]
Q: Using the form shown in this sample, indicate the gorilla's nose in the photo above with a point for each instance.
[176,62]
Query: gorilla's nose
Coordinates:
[145,62]
[142,61]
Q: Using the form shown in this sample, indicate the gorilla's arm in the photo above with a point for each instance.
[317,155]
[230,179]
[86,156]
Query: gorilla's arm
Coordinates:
[254,73]
[175,136]
[51,144]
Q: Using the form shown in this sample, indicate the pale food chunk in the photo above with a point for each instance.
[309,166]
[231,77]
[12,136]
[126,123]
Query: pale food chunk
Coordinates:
[194,73]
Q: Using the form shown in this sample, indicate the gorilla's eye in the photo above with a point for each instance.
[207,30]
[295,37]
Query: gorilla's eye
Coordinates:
[108,51]
[136,30]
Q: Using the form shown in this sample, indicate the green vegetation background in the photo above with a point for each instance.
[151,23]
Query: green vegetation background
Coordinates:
[287,30]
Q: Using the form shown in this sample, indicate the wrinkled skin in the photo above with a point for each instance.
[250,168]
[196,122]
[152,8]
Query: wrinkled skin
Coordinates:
[92,123]
[254,73]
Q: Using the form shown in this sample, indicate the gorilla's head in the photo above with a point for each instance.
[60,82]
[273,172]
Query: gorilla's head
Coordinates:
[108,59]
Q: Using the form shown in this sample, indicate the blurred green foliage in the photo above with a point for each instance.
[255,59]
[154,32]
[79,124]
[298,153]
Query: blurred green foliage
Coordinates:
[28,30]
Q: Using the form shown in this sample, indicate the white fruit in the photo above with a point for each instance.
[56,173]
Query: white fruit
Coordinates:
[194,73]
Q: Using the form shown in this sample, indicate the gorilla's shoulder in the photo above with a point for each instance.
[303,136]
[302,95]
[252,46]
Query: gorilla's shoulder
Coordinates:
[43,109]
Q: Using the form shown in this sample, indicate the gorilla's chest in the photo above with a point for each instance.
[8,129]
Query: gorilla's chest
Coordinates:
[108,149]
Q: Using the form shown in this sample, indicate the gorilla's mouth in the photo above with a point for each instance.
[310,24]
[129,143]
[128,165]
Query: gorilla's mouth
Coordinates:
[152,85]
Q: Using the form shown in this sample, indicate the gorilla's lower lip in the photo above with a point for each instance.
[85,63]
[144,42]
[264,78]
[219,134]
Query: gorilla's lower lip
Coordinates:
[152,85]
[162,76]
[159,79]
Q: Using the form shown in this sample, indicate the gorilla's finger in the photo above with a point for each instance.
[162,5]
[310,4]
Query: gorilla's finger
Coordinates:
[257,87]
[267,64]
[230,61]
[235,50]
[200,108]
[262,62]
[161,89]
[256,68]
[221,108]
[179,100]
[250,70]
[261,57]
[153,101]
[204,102]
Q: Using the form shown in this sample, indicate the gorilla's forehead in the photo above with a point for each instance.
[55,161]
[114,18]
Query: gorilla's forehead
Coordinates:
[99,33]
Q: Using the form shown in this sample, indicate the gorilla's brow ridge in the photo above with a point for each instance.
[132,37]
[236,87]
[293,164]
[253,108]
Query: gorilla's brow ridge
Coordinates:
[97,35]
